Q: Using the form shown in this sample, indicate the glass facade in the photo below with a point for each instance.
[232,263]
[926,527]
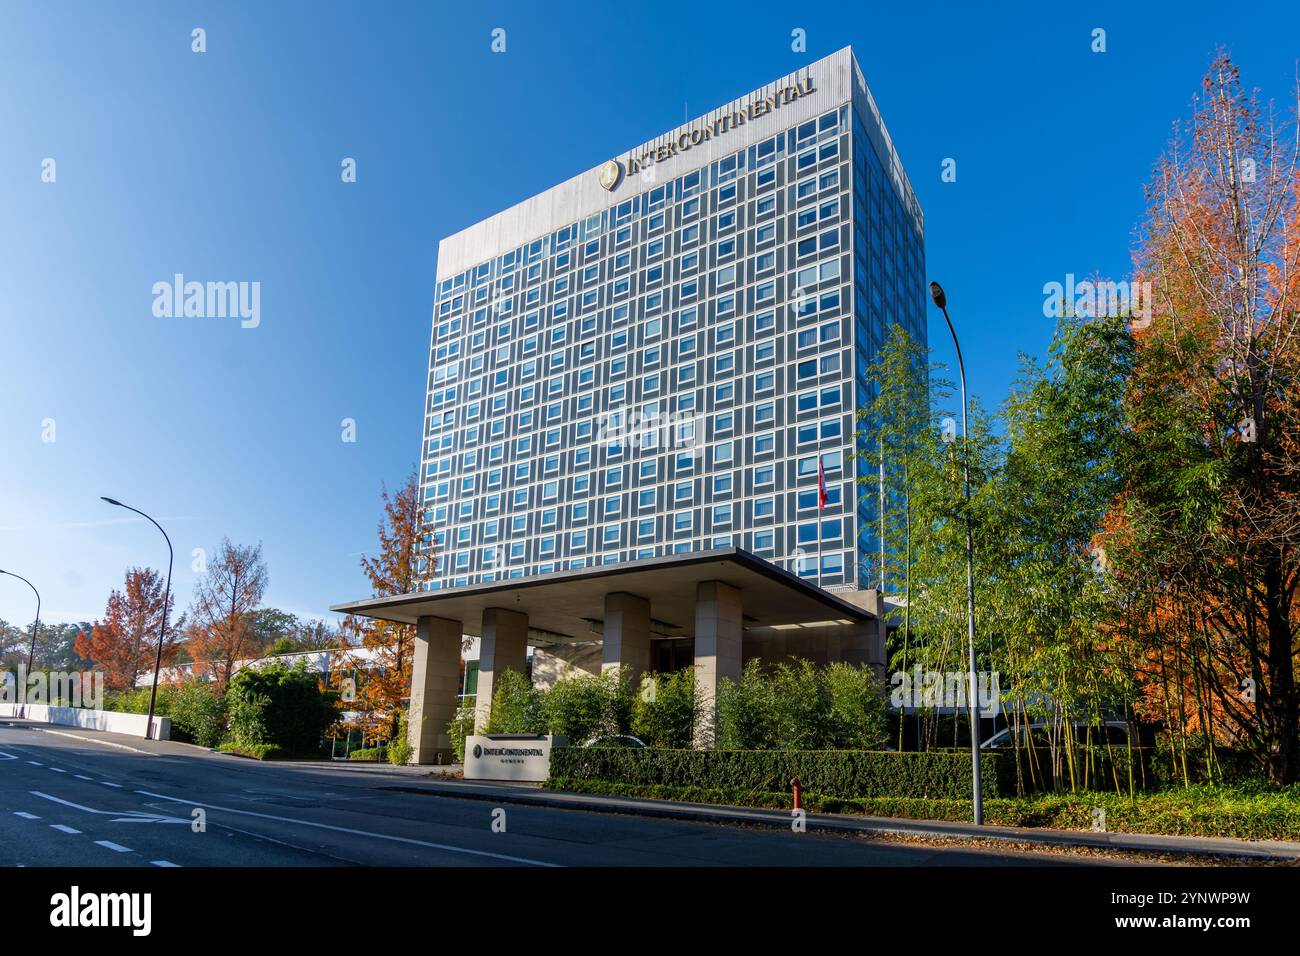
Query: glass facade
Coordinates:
[676,372]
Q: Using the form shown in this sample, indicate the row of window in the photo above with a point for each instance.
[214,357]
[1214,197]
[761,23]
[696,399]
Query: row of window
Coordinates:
[525,485]
[759,158]
[681,266]
[828,569]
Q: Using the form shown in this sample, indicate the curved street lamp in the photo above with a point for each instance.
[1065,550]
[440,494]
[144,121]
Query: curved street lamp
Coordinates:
[162,628]
[936,293]
[36,628]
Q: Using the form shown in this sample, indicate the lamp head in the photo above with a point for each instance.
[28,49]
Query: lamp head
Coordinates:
[936,293]
[112,501]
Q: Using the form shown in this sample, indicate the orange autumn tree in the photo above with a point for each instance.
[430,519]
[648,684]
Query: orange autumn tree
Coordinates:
[1206,536]
[383,679]
[221,632]
[124,645]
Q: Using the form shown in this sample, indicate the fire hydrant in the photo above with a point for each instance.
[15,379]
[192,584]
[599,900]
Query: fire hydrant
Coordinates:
[797,787]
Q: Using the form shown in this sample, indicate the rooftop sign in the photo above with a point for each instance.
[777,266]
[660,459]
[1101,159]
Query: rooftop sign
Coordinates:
[611,173]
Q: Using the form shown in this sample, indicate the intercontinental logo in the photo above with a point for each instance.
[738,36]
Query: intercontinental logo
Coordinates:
[611,173]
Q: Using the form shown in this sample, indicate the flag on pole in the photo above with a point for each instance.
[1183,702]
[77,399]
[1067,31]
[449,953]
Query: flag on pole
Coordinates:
[822,497]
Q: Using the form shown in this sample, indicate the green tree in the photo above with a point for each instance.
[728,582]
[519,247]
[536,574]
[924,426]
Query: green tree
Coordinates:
[664,711]
[517,706]
[583,706]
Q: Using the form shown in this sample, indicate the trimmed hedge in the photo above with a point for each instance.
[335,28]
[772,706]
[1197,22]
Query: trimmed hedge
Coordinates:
[1199,811]
[838,773]
[1154,769]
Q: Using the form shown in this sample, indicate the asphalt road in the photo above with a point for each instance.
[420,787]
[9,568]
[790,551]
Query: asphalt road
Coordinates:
[66,801]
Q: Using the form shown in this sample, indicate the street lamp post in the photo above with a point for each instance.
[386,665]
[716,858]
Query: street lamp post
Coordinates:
[162,628]
[36,628]
[936,293]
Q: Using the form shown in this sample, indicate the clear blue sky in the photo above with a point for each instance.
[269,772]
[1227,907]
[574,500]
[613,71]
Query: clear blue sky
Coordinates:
[225,166]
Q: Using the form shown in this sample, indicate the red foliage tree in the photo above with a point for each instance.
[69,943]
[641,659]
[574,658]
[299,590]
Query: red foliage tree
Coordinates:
[124,644]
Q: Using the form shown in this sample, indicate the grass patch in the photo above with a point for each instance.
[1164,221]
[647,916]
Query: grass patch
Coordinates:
[255,751]
[1241,813]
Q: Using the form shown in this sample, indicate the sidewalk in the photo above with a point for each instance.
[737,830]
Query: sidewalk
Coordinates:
[1270,850]
[140,746]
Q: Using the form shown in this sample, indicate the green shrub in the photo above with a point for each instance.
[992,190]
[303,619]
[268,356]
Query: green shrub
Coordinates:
[845,774]
[369,754]
[663,711]
[198,713]
[745,712]
[461,726]
[799,705]
[256,751]
[135,701]
[399,748]
[279,705]
[588,705]
[517,706]
[858,715]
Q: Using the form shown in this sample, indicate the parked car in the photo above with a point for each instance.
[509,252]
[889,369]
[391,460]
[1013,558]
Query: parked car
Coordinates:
[616,740]
[1113,732]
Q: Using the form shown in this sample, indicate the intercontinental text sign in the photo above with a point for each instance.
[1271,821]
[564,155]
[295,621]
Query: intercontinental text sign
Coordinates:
[509,756]
[704,132]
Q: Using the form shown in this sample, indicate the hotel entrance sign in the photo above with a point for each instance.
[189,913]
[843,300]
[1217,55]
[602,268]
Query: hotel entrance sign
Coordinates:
[520,757]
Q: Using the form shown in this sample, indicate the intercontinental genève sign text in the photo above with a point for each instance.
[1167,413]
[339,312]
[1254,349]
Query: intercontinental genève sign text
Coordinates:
[611,174]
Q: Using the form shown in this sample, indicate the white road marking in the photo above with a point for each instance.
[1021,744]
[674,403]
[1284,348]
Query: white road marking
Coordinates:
[66,803]
[165,863]
[26,816]
[82,776]
[116,847]
[57,770]
[94,740]
[35,764]
[63,827]
[107,784]
[365,833]
[119,816]
[4,756]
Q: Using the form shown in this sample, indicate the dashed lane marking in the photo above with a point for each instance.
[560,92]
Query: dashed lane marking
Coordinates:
[165,863]
[354,832]
[115,847]
[63,828]
[26,816]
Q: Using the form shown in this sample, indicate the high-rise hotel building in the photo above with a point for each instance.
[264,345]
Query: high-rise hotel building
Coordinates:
[664,354]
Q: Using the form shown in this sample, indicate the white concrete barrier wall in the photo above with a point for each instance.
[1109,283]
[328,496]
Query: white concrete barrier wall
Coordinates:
[133,724]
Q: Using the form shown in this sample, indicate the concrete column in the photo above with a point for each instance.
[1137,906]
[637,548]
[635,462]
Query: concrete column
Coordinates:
[865,643]
[626,635]
[435,679]
[503,646]
[719,629]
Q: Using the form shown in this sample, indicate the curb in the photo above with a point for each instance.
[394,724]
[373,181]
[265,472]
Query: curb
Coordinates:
[1278,851]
